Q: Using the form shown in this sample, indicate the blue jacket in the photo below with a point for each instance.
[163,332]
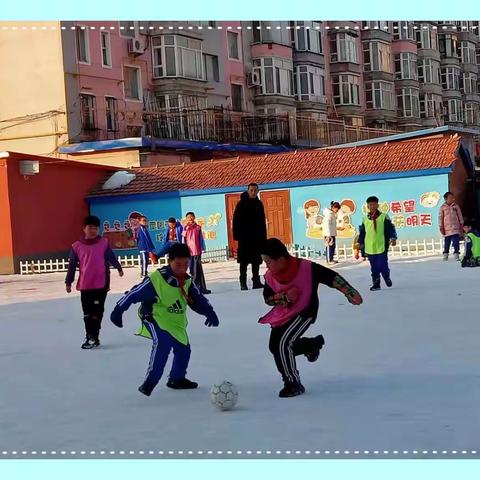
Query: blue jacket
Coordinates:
[390,233]
[178,229]
[144,241]
[146,294]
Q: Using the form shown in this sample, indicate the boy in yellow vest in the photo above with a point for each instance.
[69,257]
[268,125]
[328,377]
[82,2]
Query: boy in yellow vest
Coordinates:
[472,246]
[377,233]
[164,296]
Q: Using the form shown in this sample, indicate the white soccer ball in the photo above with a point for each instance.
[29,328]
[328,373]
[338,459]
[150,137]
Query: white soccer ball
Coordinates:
[224,395]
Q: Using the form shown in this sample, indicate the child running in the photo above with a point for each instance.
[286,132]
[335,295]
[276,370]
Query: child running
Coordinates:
[291,288]
[93,255]
[164,296]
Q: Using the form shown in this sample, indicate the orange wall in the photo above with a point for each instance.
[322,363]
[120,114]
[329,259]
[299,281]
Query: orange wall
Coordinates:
[6,249]
[47,209]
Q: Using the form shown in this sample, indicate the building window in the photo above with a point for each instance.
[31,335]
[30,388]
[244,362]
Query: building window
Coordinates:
[448,45]
[451,78]
[403,31]
[211,68]
[379,96]
[106,49]
[310,83]
[408,103]
[430,105]
[83,50]
[467,52]
[87,103]
[471,113]
[128,29]
[377,57]
[406,66]
[237,97]
[177,56]
[233,49]
[176,102]
[429,71]
[306,36]
[468,84]
[344,48]
[111,113]
[375,26]
[276,76]
[453,110]
[346,90]
[427,37]
[133,84]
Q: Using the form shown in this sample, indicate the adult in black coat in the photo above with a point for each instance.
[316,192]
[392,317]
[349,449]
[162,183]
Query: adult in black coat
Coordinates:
[250,231]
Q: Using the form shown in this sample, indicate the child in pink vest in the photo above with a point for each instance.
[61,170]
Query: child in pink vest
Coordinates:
[193,237]
[291,288]
[93,255]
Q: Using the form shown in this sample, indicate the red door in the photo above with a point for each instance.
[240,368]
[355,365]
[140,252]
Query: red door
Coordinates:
[231,201]
[278,213]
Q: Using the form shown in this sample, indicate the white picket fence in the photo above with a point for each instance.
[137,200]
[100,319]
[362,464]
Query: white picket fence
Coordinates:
[403,248]
[61,265]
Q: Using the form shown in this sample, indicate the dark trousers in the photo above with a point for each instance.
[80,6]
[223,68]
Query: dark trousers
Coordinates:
[144,257]
[379,266]
[330,249]
[243,271]
[93,305]
[196,272]
[286,343]
[455,239]
[163,343]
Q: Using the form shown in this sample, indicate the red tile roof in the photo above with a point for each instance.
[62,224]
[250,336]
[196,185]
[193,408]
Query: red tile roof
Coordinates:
[417,154]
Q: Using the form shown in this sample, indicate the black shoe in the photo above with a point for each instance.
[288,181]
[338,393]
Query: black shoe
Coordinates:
[388,282]
[291,390]
[88,343]
[96,342]
[243,286]
[181,384]
[206,292]
[257,283]
[319,343]
[375,287]
[147,391]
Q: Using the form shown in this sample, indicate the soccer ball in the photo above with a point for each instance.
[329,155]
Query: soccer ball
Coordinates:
[224,395]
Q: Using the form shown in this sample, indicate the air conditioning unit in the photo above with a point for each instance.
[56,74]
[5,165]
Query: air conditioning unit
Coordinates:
[254,78]
[29,167]
[136,46]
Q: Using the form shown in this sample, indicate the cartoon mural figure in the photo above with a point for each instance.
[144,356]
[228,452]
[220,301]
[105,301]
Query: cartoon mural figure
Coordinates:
[345,228]
[214,219]
[314,220]
[430,199]
[122,237]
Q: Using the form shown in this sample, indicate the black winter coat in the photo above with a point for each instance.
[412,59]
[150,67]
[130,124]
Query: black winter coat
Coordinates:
[249,229]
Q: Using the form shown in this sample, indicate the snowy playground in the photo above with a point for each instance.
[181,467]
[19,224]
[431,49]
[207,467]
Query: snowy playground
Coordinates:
[399,373]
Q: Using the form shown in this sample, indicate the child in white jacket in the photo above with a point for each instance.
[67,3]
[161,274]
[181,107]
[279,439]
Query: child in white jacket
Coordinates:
[329,227]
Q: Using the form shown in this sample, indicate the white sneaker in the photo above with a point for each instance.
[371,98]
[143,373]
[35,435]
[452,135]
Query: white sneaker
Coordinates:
[445,257]
[456,256]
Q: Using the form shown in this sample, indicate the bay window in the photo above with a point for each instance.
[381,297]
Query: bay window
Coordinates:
[343,48]
[429,71]
[451,78]
[346,90]
[408,102]
[406,66]
[276,76]
[430,105]
[380,95]
[306,36]
[453,110]
[467,53]
[309,83]
[427,37]
[448,44]
[403,31]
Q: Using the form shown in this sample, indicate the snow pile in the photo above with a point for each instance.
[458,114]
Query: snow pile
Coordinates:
[118,179]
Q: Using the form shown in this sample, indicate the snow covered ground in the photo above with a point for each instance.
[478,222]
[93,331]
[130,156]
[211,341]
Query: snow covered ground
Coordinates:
[400,373]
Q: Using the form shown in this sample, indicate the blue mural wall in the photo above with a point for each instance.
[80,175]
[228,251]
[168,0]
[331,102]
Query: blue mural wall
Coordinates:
[411,203]
[119,215]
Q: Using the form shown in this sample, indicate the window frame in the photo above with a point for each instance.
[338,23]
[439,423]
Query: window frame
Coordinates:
[106,34]
[140,86]
[78,29]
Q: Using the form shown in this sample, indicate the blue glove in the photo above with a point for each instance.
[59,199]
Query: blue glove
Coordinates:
[212,320]
[116,317]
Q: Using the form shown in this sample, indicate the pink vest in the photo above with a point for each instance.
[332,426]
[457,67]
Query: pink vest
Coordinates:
[92,264]
[193,234]
[279,315]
